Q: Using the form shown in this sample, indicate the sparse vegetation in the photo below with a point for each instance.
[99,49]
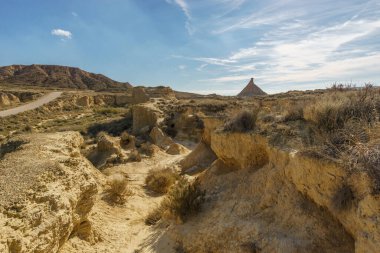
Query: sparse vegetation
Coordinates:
[332,111]
[366,157]
[294,113]
[244,121]
[343,198]
[183,200]
[10,147]
[160,181]
[117,188]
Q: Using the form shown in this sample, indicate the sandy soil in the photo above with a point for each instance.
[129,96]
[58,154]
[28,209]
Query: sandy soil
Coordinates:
[121,229]
[32,105]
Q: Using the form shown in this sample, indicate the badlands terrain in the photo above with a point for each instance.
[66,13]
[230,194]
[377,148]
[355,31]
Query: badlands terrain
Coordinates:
[102,166]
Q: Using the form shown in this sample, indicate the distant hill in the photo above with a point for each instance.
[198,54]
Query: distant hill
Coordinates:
[57,77]
[251,90]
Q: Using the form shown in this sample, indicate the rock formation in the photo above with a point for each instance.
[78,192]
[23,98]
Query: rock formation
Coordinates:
[8,99]
[47,189]
[251,90]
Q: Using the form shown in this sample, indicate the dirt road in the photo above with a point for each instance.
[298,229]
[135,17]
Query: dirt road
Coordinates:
[32,105]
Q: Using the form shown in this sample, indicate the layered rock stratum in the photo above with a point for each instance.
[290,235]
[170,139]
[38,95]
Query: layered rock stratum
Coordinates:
[57,77]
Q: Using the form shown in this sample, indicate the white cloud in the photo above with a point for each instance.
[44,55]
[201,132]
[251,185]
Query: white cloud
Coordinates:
[227,79]
[182,67]
[185,8]
[63,34]
[244,53]
[74,14]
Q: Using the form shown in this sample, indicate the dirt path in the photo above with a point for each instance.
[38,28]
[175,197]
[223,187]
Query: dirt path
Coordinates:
[32,105]
[122,228]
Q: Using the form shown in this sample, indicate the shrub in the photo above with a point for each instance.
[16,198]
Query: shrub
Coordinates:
[160,181]
[183,200]
[10,147]
[117,188]
[114,127]
[366,157]
[243,122]
[268,118]
[108,111]
[343,198]
[294,113]
[333,111]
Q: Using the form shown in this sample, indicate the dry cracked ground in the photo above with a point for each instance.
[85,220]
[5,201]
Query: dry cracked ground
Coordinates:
[150,171]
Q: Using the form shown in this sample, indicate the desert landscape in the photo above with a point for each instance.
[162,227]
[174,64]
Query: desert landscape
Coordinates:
[179,126]
[155,170]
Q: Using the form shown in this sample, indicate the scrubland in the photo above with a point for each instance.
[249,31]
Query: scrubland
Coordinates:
[291,172]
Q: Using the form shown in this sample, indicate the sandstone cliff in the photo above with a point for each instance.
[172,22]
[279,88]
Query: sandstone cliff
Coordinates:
[47,189]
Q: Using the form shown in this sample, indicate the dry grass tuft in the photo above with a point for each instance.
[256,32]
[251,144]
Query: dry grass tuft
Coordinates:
[160,181]
[294,113]
[332,111]
[117,188]
[366,157]
[244,121]
[183,200]
[343,198]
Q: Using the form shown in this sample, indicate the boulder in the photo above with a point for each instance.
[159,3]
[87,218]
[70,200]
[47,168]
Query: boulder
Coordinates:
[107,149]
[176,149]
[143,116]
[127,141]
[159,138]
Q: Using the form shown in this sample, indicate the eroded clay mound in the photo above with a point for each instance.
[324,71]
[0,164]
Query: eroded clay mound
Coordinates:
[46,191]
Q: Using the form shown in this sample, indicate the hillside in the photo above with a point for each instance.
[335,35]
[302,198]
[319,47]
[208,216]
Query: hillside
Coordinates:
[57,77]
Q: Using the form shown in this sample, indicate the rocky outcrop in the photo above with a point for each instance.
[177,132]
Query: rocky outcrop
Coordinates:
[46,191]
[202,156]
[159,138]
[160,92]
[322,180]
[265,199]
[243,155]
[7,99]
[85,101]
[139,95]
[107,149]
[145,117]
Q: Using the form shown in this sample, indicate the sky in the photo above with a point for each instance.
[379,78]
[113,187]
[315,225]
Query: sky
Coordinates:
[203,46]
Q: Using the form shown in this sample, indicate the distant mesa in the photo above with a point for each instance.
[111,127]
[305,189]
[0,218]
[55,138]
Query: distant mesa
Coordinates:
[251,90]
[58,77]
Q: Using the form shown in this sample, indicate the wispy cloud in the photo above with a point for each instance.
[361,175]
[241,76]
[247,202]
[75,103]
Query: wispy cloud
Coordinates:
[185,9]
[63,34]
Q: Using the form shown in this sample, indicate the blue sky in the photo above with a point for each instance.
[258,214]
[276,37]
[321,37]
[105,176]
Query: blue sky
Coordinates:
[205,46]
